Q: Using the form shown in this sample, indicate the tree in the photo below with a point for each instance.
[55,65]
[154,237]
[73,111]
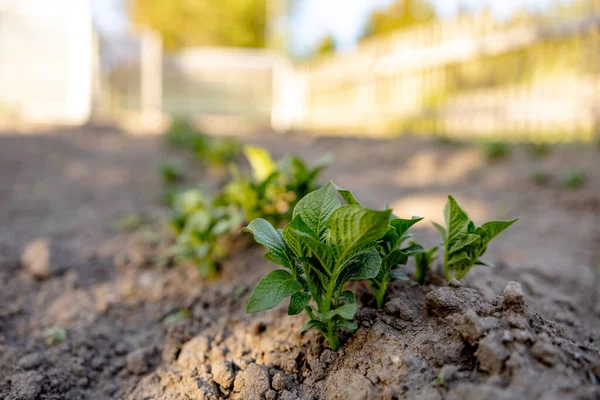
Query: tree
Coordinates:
[186,23]
[399,15]
[325,46]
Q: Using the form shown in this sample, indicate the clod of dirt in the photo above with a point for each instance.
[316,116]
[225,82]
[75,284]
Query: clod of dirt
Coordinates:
[177,335]
[491,353]
[455,283]
[545,353]
[223,373]
[348,385]
[513,298]
[194,352]
[252,383]
[36,258]
[25,386]
[468,326]
[31,361]
[447,301]
[138,361]
[279,382]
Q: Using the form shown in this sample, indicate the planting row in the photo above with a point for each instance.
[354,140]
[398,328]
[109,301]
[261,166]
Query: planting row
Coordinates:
[322,237]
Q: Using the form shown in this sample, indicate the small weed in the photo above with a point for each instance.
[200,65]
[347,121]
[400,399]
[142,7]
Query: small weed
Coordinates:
[539,150]
[495,151]
[54,335]
[423,262]
[539,177]
[177,316]
[170,172]
[574,178]
[464,242]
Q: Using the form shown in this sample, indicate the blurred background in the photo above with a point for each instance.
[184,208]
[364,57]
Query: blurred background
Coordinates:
[515,69]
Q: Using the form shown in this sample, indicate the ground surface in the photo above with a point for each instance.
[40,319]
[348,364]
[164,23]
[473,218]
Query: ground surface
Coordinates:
[68,187]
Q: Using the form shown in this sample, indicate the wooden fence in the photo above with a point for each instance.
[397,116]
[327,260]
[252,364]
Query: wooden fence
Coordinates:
[465,77]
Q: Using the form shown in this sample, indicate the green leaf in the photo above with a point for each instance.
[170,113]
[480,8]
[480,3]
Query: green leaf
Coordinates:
[260,161]
[346,311]
[365,265]
[351,326]
[465,243]
[313,323]
[347,296]
[298,302]
[271,289]
[494,228]
[485,263]
[403,225]
[272,240]
[396,274]
[457,221]
[353,229]
[396,257]
[292,239]
[441,230]
[413,249]
[347,195]
[320,250]
[316,208]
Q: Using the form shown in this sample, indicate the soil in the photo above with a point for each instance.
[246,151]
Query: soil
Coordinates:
[527,329]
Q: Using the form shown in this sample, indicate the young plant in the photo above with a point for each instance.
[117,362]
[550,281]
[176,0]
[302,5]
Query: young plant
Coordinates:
[423,261]
[170,172]
[325,246]
[464,243]
[539,177]
[495,151]
[574,179]
[275,187]
[202,231]
[539,150]
[392,256]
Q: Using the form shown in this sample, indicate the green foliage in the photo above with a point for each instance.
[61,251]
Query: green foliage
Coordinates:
[202,230]
[574,178]
[321,249]
[275,188]
[181,23]
[392,256]
[170,172]
[495,151]
[213,151]
[539,150]
[204,225]
[401,14]
[325,46]
[539,177]
[55,334]
[464,243]
[423,262]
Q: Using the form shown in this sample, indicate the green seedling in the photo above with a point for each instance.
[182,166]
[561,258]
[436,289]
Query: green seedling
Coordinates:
[128,223]
[321,249]
[170,172]
[423,261]
[574,179]
[495,151]
[177,316]
[464,243]
[203,230]
[392,256]
[539,177]
[55,334]
[539,150]
[274,188]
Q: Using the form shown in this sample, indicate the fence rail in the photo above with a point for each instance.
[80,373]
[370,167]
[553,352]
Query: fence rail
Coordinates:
[464,77]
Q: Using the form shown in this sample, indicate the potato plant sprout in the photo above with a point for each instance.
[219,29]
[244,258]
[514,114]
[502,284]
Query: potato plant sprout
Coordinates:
[325,245]
[464,242]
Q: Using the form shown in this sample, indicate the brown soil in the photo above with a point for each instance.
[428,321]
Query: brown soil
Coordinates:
[486,340]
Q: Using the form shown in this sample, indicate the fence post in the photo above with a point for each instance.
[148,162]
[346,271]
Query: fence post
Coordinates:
[151,75]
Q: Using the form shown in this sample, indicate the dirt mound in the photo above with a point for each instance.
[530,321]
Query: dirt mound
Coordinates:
[447,343]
